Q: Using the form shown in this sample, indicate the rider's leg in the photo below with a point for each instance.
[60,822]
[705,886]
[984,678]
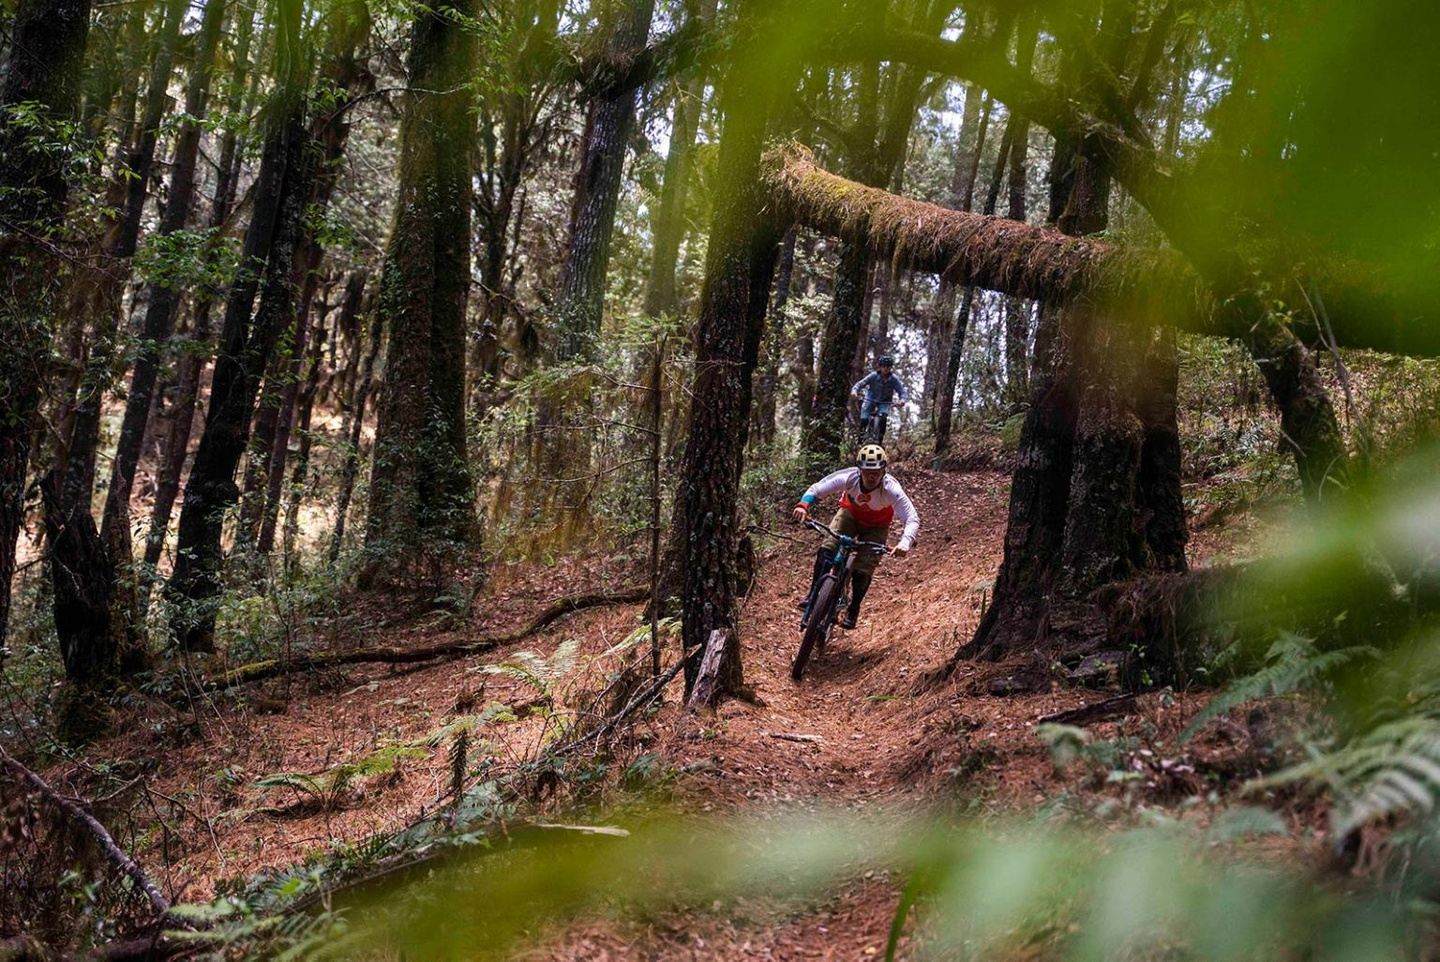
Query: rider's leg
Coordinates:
[841,523]
[859,584]
[861,574]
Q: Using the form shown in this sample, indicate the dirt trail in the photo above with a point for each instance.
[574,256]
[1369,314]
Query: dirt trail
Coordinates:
[859,697]
[881,738]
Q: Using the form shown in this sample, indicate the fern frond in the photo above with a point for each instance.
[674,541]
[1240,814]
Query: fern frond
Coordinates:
[296,781]
[1292,664]
[1393,769]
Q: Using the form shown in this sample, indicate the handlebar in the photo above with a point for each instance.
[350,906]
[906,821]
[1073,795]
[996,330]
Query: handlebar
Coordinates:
[845,538]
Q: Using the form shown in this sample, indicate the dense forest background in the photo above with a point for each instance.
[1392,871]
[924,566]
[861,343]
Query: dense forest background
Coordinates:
[330,329]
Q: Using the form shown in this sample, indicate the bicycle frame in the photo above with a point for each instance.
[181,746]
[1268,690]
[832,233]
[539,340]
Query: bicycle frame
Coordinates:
[873,427]
[840,563]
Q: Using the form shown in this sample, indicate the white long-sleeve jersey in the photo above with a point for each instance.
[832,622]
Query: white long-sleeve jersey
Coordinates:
[871,509]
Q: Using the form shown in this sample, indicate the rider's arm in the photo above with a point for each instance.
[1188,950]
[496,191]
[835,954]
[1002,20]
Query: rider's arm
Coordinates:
[864,381]
[905,513]
[826,486]
[900,388]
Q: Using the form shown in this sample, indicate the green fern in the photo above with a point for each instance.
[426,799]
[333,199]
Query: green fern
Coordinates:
[328,789]
[535,671]
[1292,664]
[1393,769]
[494,712]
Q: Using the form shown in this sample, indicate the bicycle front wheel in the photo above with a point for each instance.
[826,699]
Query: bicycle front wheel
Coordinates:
[817,625]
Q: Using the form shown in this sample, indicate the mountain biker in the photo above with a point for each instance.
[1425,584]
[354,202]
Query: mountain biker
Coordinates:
[869,500]
[880,386]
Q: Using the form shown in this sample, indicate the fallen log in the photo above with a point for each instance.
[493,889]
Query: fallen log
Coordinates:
[395,655]
[1095,711]
[794,737]
[996,253]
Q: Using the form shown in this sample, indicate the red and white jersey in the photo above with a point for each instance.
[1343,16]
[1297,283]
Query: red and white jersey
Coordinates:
[871,509]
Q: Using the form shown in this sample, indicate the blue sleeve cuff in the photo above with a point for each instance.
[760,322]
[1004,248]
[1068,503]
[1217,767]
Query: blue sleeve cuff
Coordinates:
[807,499]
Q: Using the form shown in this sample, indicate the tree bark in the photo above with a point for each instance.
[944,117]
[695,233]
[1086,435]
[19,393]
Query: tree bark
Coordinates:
[421,491]
[727,341]
[47,45]
[246,345]
[612,117]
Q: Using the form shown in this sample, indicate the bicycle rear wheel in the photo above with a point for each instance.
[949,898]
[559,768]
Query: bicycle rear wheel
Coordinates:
[817,625]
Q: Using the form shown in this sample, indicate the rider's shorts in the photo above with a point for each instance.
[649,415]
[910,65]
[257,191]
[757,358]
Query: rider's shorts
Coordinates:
[844,522]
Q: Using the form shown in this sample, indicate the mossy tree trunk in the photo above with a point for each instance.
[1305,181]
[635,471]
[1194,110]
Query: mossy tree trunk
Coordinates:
[421,493]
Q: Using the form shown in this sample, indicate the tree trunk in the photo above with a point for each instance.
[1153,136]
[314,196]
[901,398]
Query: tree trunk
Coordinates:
[246,345]
[47,44]
[1162,509]
[277,454]
[1017,313]
[767,391]
[195,357]
[342,74]
[298,477]
[669,224]
[839,343]
[164,298]
[612,117]
[421,491]
[727,340]
[353,427]
[954,354]
[974,122]
[101,291]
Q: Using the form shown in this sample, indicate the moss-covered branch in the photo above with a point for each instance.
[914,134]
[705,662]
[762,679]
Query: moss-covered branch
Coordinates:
[991,252]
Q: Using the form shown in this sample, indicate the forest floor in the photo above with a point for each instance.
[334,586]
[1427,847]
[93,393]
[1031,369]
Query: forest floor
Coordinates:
[879,731]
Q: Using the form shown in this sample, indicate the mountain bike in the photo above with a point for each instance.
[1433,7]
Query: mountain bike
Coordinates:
[831,594]
[873,430]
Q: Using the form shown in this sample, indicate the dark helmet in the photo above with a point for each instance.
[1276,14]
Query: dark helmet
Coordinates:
[885,360]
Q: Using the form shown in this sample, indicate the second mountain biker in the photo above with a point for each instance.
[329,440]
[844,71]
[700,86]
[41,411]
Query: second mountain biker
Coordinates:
[880,388]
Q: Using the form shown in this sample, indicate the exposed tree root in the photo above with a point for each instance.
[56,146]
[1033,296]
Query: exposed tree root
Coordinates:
[394,655]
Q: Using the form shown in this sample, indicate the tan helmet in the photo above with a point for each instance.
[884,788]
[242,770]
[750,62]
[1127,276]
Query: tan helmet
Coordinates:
[871,456]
